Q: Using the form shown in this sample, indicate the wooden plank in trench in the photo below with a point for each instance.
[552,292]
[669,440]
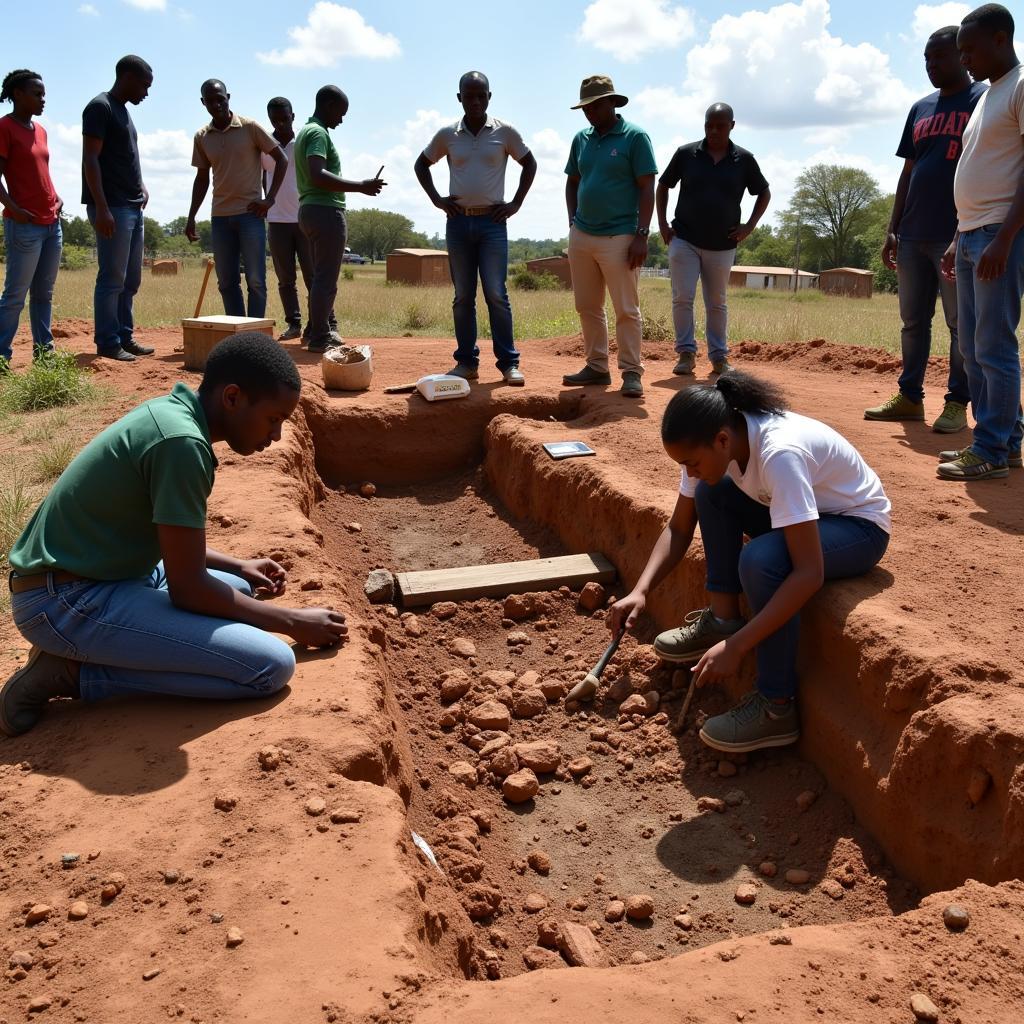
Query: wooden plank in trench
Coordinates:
[503,578]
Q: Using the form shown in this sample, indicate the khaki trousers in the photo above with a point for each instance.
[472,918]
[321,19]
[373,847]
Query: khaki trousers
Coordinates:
[598,263]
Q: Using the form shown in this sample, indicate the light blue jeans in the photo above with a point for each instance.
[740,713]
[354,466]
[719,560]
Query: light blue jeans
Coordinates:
[988,314]
[33,258]
[687,263]
[241,240]
[118,277]
[131,639]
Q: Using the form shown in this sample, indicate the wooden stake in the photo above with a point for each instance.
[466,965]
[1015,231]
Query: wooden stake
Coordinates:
[681,720]
[202,291]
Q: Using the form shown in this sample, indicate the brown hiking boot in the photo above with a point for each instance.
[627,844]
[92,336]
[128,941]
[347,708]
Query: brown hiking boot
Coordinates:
[25,695]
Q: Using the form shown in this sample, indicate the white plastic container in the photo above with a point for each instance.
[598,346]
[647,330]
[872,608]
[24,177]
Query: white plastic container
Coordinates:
[438,387]
[349,368]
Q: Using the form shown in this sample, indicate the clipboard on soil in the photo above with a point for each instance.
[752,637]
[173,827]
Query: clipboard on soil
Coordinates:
[567,449]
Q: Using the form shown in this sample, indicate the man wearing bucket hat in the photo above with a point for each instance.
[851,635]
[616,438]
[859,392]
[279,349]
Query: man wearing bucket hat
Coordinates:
[609,194]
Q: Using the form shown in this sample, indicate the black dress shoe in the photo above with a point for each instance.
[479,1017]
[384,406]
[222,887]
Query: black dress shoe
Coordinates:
[119,354]
[135,349]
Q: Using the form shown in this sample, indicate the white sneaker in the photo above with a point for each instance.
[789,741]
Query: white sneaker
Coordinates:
[514,376]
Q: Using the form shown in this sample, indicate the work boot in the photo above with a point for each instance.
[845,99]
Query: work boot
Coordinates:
[1014,460]
[753,724]
[952,419]
[333,340]
[700,632]
[118,355]
[971,466]
[632,385]
[686,364]
[721,366]
[587,375]
[514,376]
[465,372]
[294,331]
[133,348]
[25,695]
[899,407]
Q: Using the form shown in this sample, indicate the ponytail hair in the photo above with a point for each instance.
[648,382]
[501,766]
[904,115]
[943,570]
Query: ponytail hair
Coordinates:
[17,80]
[696,414]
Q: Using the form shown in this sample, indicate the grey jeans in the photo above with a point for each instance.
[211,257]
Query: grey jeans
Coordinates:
[686,264]
[327,231]
[288,246]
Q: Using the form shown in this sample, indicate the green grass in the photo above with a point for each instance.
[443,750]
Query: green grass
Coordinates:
[18,500]
[53,459]
[56,380]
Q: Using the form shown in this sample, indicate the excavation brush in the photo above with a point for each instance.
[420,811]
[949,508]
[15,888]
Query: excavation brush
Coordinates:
[587,686]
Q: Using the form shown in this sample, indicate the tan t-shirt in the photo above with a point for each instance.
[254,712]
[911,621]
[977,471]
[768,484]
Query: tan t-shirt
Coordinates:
[235,156]
[993,154]
[477,163]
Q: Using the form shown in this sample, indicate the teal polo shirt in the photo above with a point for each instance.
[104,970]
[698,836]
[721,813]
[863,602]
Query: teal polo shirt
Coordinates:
[315,140]
[153,467]
[608,165]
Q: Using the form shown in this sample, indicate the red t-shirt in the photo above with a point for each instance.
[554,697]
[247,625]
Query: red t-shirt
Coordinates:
[27,169]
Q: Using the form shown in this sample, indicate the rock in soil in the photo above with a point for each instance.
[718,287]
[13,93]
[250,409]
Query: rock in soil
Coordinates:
[806,800]
[519,606]
[368,490]
[539,755]
[315,806]
[38,912]
[538,958]
[578,945]
[463,648]
[79,910]
[710,803]
[529,703]
[746,893]
[346,816]
[520,787]
[39,1003]
[978,785]
[380,586]
[234,938]
[269,758]
[464,773]
[955,917]
[768,868]
[797,876]
[491,715]
[615,911]
[225,802]
[445,610]
[505,763]
[726,769]
[455,684]
[548,932]
[639,908]
[539,861]
[592,597]
[535,902]
[923,1008]
[580,766]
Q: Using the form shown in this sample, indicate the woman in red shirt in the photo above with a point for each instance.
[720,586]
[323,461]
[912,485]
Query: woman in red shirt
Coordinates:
[32,234]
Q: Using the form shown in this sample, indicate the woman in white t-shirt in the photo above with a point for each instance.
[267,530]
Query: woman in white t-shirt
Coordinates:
[814,511]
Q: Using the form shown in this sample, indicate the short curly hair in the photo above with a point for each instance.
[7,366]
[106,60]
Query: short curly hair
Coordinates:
[253,361]
[17,80]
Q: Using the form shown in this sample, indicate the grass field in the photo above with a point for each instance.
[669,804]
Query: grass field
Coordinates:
[369,307]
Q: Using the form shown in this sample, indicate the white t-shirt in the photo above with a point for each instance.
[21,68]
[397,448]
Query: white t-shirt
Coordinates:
[993,155]
[802,469]
[286,205]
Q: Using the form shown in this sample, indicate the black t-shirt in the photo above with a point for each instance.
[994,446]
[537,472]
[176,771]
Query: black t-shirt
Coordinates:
[708,207]
[932,139]
[108,119]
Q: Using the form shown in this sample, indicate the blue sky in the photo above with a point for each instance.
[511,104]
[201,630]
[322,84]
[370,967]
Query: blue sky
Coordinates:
[809,80]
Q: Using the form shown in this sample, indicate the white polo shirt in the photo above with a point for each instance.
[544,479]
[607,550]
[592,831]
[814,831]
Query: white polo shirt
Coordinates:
[477,163]
[286,205]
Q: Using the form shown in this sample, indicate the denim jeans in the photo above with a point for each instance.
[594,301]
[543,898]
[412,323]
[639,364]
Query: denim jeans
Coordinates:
[478,246]
[850,546]
[131,639]
[920,280]
[240,240]
[33,258]
[327,230]
[686,264]
[988,313]
[117,278]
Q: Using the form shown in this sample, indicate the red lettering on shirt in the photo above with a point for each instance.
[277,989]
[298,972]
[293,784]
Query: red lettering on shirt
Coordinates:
[953,149]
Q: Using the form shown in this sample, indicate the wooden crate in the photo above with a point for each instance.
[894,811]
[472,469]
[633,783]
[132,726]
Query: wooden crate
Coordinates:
[201,333]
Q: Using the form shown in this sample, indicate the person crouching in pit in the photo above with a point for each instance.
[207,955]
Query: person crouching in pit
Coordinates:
[813,510]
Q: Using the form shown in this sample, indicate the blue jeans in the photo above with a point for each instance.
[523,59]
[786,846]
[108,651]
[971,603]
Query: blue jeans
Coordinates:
[479,246]
[33,258]
[237,240]
[850,546]
[920,281]
[686,264]
[131,639]
[118,277]
[989,312]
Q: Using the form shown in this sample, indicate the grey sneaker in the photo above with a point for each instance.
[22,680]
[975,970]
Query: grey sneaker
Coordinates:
[463,371]
[586,376]
[1014,460]
[632,385]
[700,632]
[514,376]
[753,724]
[972,467]
[686,364]
[721,366]
[952,419]
[294,331]
[333,340]
[25,695]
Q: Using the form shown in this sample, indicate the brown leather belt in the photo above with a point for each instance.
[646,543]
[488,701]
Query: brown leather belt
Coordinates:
[35,580]
[476,211]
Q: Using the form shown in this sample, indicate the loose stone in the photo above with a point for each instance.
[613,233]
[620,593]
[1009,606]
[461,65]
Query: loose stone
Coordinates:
[234,938]
[746,893]
[955,917]
[225,802]
[639,908]
[615,910]
[315,806]
[539,861]
[797,876]
[535,902]
[806,799]
[520,787]
[38,912]
[78,910]
[923,1008]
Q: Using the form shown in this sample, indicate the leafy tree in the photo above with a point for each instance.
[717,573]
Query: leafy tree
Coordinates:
[872,239]
[154,235]
[833,202]
[375,233]
[77,231]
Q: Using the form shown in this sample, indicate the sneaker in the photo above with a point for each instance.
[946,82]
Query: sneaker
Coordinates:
[294,331]
[587,375]
[118,354]
[466,372]
[333,340]
[514,376]
[1014,460]
[686,364]
[899,407]
[135,349]
[632,386]
[952,419]
[25,695]
[970,466]
[721,366]
[753,724]
[700,632]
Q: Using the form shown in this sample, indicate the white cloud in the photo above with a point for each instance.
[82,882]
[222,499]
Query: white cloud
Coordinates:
[332,32]
[148,5]
[89,10]
[630,29]
[782,68]
[930,17]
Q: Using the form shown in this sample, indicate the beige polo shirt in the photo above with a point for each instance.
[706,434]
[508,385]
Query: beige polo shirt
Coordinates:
[992,160]
[476,163]
[235,157]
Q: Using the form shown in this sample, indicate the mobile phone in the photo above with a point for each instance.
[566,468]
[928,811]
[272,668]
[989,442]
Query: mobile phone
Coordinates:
[381,171]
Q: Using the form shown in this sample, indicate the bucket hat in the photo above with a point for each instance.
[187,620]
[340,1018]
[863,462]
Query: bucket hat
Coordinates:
[597,87]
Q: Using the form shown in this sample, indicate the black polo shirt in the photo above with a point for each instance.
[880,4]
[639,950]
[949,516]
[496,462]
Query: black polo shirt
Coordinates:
[708,207]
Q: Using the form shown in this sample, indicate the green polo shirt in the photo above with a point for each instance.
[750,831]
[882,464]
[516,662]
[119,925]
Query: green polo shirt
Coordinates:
[315,140]
[608,201]
[152,467]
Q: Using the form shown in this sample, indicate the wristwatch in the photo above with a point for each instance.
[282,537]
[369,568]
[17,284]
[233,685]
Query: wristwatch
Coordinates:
[643,232]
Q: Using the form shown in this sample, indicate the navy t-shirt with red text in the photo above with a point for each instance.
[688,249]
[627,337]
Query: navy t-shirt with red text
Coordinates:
[931,139]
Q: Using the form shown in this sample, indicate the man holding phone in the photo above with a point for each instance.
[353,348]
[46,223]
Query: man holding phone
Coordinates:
[322,209]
